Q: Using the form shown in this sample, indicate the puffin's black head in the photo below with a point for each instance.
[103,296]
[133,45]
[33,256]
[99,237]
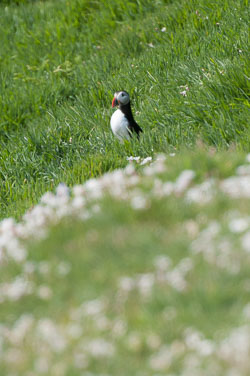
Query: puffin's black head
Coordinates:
[120,98]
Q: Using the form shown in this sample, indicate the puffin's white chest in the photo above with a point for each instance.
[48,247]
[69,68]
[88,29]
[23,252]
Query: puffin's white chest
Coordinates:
[119,125]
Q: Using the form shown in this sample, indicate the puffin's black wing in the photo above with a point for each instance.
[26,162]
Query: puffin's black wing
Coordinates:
[134,127]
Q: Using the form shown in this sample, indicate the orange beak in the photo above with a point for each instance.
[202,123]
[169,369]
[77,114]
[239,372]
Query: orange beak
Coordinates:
[115,102]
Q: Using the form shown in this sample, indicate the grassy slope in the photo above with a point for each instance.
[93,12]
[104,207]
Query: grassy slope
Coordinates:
[61,62]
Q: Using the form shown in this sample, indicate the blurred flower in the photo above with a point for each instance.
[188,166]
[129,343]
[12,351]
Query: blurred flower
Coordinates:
[184,92]
[145,283]
[24,324]
[134,341]
[92,307]
[238,225]
[236,186]
[243,170]
[99,347]
[44,292]
[203,193]
[139,201]
[153,341]
[131,158]
[183,181]
[146,160]
[236,347]
[126,284]
[49,332]
[162,359]
[16,289]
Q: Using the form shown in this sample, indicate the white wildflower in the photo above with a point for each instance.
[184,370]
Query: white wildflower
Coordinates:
[159,165]
[134,341]
[126,284]
[44,292]
[15,251]
[78,190]
[74,330]
[184,180]
[20,329]
[145,283]
[119,328]
[146,160]
[93,188]
[37,219]
[236,186]
[131,159]
[129,169]
[7,225]
[99,347]
[236,347]
[92,307]
[153,341]
[168,188]
[29,267]
[243,170]
[78,202]
[161,360]
[205,241]
[177,348]
[138,201]
[49,199]
[196,341]
[162,263]
[184,93]
[161,189]
[202,193]
[176,279]
[149,170]
[85,215]
[238,225]
[62,190]
[48,331]
[185,265]
[16,289]
[44,267]
[192,228]
[163,29]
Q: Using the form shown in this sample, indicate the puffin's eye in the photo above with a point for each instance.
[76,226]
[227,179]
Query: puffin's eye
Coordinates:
[122,94]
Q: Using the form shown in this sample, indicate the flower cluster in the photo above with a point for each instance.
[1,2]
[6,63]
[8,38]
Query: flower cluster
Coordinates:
[94,331]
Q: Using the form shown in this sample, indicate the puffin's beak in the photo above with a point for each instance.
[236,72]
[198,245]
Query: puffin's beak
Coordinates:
[114,102]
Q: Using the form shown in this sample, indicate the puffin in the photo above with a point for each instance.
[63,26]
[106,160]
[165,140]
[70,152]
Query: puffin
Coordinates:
[122,121]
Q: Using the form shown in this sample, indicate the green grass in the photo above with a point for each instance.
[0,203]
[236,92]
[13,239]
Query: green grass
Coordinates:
[61,61]
[96,297]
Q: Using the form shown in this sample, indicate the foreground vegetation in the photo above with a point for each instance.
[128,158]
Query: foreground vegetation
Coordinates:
[142,273]
[183,62]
